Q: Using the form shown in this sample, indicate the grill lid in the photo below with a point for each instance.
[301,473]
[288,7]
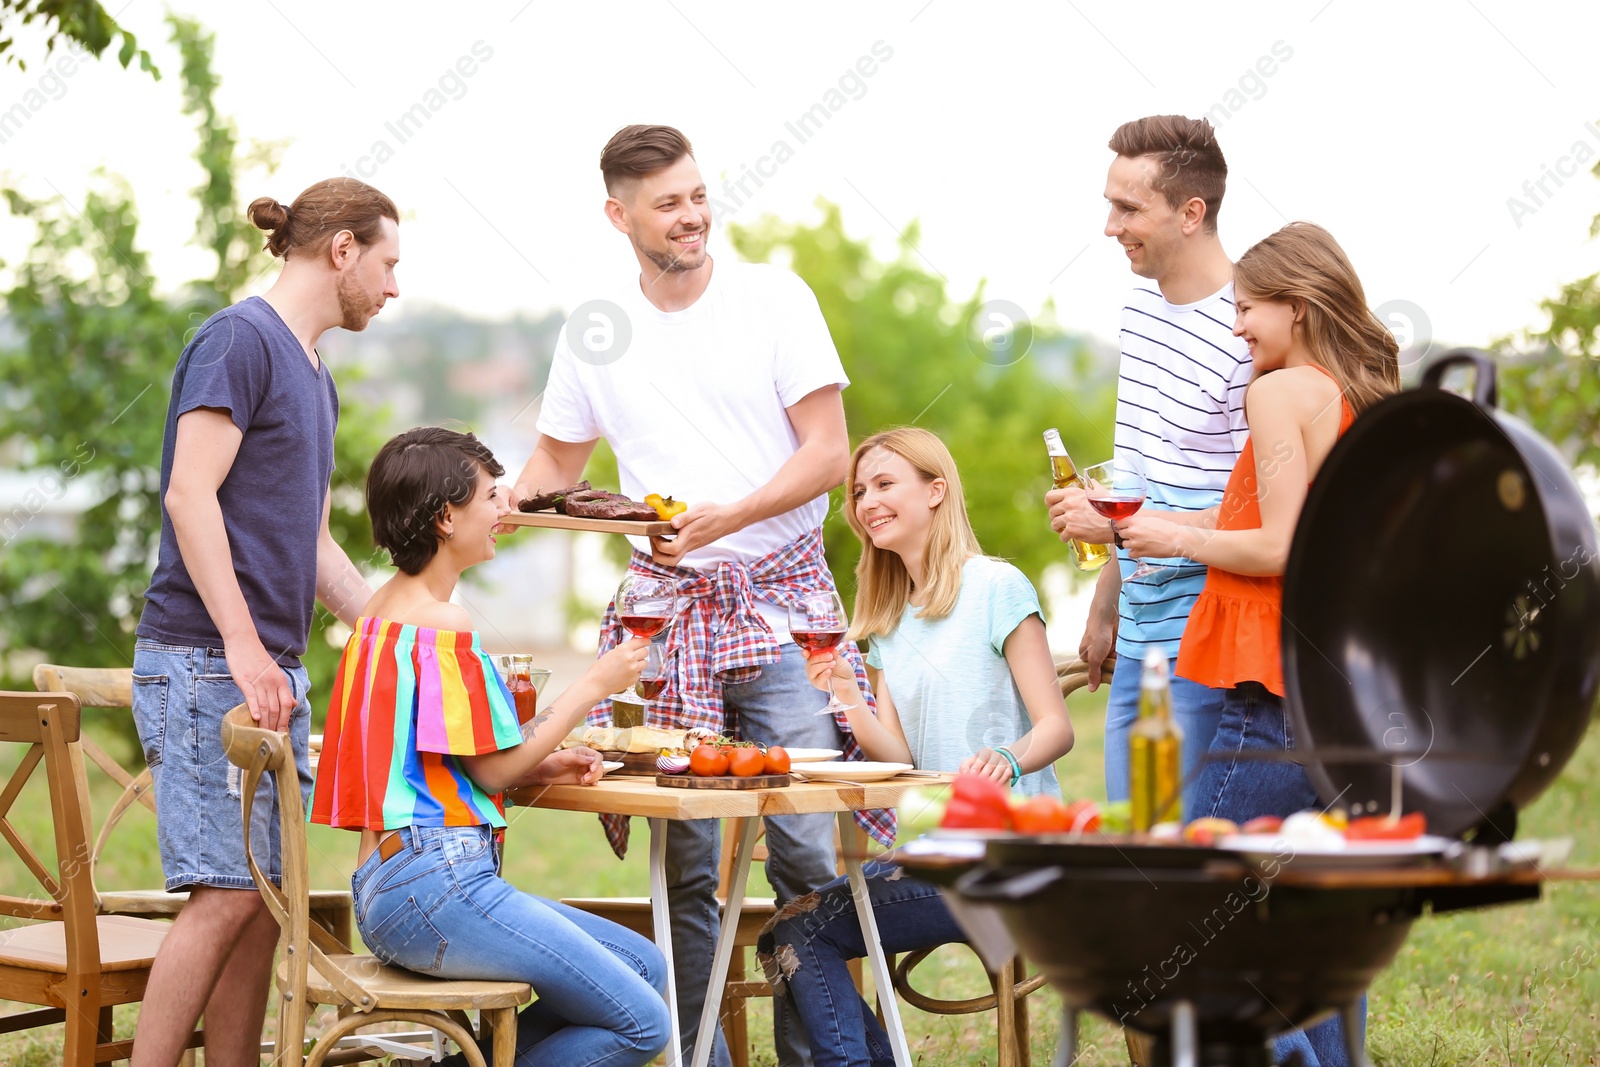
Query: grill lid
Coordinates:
[1441,610]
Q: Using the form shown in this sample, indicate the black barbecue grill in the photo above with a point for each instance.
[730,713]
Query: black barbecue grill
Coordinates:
[1426,654]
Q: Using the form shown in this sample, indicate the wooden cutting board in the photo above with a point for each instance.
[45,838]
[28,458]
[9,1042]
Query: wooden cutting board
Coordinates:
[549,520]
[640,763]
[692,781]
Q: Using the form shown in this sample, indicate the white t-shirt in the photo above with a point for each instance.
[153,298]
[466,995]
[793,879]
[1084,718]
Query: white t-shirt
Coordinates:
[1180,409]
[949,677]
[694,407]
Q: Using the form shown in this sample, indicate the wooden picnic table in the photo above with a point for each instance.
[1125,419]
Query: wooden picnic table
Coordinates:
[630,795]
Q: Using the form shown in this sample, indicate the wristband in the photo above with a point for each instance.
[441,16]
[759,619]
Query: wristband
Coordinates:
[1016,768]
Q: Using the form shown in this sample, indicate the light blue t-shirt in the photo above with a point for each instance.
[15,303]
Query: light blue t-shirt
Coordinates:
[949,678]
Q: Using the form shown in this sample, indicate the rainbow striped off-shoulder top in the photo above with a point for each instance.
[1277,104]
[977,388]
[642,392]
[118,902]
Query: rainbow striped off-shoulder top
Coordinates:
[406,701]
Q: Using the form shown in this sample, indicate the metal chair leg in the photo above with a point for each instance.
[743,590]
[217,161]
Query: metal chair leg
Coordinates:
[1067,1050]
[1185,1035]
[1355,1025]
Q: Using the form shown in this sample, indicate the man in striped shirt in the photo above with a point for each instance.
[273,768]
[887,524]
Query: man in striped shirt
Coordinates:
[1180,410]
[1180,413]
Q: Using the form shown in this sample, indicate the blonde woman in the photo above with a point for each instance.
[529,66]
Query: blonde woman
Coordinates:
[964,681]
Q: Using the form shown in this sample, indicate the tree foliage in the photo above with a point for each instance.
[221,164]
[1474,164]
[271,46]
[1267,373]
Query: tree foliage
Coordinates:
[86,359]
[1550,376]
[1556,385]
[84,22]
[910,354]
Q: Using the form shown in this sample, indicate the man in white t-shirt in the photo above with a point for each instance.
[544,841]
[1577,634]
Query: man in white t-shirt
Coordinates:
[716,383]
[1180,413]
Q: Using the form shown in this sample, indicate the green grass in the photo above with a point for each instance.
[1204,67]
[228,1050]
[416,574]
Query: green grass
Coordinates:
[1515,985]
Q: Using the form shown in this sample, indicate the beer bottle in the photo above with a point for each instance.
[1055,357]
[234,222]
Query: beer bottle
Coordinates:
[1087,556]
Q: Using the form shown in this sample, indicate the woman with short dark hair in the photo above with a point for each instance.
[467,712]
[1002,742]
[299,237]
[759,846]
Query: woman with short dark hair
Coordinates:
[422,737]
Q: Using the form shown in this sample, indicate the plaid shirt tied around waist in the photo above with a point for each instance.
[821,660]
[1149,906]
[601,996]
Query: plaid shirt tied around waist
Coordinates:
[720,638]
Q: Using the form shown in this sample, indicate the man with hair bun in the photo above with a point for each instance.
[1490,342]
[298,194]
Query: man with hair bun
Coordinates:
[246,463]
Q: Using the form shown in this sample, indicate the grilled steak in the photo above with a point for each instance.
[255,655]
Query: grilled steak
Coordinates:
[542,501]
[585,501]
[611,507]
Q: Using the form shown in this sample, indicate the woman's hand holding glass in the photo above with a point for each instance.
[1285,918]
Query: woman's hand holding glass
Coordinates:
[833,674]
[1150,537]
[1116,489]
[619,668]
[818,623]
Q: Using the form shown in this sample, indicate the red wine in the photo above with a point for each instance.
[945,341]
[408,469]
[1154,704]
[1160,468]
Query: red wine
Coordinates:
[813,641]
[644,625]
[650,688]
[1116,507]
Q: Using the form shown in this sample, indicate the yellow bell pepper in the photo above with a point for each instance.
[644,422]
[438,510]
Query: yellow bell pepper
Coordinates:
[666,507]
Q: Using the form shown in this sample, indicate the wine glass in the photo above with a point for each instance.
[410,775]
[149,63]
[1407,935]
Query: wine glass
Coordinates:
[1116,489]
[817,623]
[653,679]
[644,607]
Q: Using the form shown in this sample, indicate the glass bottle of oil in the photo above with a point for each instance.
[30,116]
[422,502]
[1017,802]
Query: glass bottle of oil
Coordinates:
[1155,750]
[1087,556]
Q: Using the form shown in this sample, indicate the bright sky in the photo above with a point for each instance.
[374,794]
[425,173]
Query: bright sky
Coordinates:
[1404,128]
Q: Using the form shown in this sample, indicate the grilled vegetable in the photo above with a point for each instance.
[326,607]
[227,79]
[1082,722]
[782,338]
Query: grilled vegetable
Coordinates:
[977,803]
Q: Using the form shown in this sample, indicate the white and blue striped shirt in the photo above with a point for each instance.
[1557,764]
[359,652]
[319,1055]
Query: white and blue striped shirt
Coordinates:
[1180,411]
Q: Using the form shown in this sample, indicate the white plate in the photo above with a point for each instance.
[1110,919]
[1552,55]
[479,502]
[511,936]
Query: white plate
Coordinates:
[1288,851]
[812,755]
[851,770]
[611,765]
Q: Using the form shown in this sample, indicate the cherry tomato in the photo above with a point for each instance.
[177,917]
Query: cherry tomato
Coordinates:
[1262,824]
[745,762]
[1040,815]
[1083,816]
[708,761]
[777,760]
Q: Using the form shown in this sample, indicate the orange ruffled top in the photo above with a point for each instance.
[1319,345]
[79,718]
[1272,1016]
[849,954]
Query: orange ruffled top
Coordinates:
[1233,631]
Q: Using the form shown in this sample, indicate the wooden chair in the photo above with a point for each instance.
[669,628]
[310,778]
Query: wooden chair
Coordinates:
[316,968]
[97,687]
[74,964]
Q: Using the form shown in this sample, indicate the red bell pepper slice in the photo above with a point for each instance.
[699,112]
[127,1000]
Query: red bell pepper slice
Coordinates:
[1384,828]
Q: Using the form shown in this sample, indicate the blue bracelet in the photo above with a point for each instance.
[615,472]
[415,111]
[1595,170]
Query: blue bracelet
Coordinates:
[1016,768]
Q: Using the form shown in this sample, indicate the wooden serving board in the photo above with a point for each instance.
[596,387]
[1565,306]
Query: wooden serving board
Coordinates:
[549,520]
[642,763]
[727,781]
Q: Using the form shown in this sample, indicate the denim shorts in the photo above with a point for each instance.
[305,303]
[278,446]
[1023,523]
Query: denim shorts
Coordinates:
[180,695]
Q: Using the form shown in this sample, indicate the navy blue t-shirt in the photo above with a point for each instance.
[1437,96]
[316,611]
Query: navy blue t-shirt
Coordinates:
[246,361]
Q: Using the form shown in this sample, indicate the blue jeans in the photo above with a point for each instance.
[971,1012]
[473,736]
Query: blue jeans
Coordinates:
[779,707]
[1196,708]
[805,954]
[180,695]
[1253,720]
[440,907]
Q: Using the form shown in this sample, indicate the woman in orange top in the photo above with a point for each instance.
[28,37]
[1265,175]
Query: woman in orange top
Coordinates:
[1321,358]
